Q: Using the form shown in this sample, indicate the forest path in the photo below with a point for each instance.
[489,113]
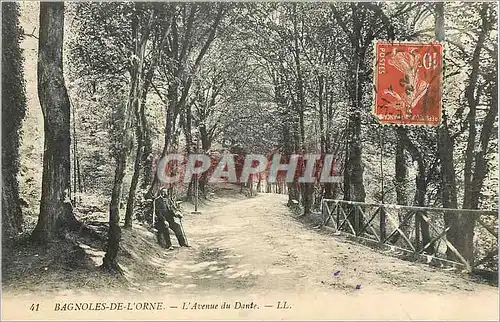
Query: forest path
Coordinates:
[255,246]
[254,250]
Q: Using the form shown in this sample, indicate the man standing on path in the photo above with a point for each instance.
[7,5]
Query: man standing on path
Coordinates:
[165,219]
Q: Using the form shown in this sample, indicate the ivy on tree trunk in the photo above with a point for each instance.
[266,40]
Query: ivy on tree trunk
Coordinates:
[55,206]
[13,112]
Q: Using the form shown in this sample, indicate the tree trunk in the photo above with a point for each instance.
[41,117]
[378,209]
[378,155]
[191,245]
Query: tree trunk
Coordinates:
[138,94]
[299,84]
[461,231]
[114,234]
[401,180]
[293,193]
[475,163]
[355,189]
[308,198]
[202,185]
[466,244]
[79,175]
[13,112]
[170,119]
[448,186]
[122,144]
[175,103]
[171,106]
[354,163]
[307,189]
[147,155]
[250,185]
[137,162]
[330,188]
[420,193]
[401,173]
[206,144]
[187,127]
[56,112]
[327,189]
[481,168]
[135,180]
[445,153]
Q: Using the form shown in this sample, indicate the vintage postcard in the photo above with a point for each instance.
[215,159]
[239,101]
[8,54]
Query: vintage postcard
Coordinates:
[249,161]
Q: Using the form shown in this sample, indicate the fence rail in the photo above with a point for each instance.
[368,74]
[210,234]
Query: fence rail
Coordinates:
[419,230]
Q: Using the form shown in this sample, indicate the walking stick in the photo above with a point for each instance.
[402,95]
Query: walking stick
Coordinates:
[183,233]
[154,212]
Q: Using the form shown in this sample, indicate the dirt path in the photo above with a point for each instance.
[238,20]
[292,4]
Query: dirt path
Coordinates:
[254,246]
[256,243]
[253,250]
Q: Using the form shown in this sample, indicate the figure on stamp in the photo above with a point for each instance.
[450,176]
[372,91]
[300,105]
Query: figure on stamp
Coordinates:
[414,87]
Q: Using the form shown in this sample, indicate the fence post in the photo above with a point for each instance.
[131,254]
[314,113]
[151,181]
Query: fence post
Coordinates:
[356,220]
[337,214]
[382,224]
[322,210]
[417,230]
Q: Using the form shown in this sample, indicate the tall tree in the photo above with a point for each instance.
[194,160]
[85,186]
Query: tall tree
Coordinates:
[134,41]
[13,112]
[122,146]
[141,78]
[354,188]
[55,206]
[445,150]
[480,90]
[193,29]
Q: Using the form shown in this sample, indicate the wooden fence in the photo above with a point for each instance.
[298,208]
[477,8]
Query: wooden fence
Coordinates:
[399,226]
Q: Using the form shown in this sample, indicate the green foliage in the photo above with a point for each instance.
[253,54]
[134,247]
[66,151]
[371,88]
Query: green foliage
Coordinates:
[13,85]
[120,129]
[13,113]
[102,44]
[251,91]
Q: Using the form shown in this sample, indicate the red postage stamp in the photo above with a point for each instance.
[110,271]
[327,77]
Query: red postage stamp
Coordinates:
[408,83]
